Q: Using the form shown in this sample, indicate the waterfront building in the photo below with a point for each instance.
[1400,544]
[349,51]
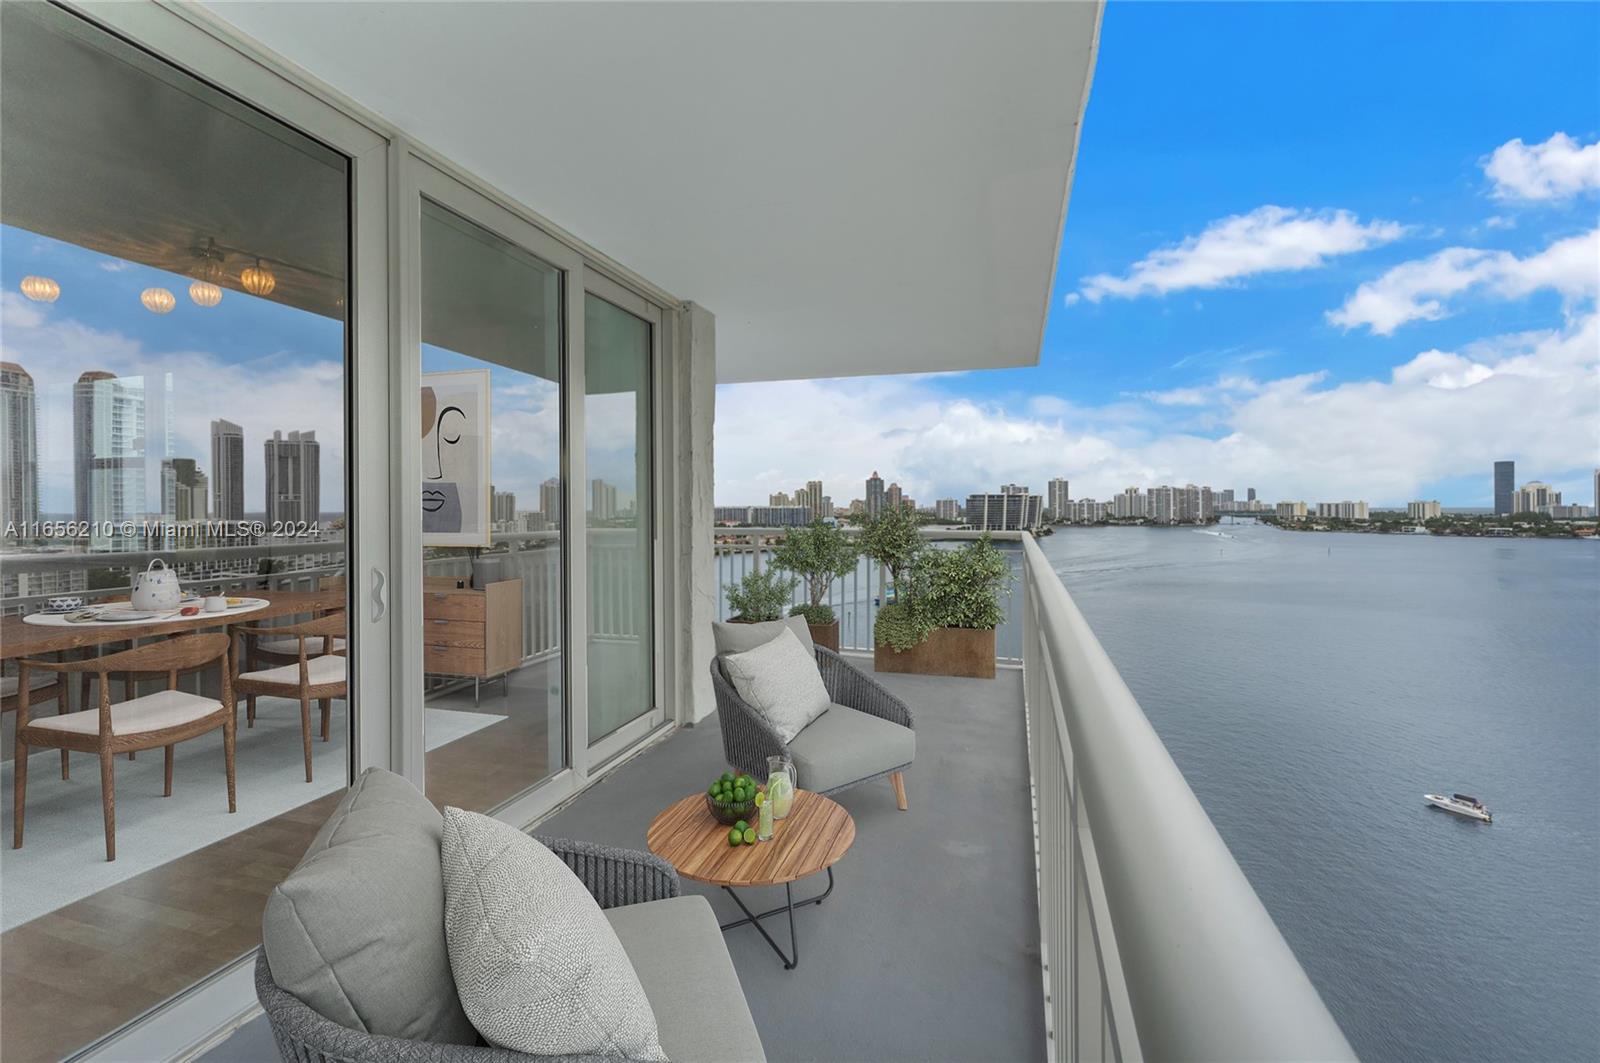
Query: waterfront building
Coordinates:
[894,498]
[19,446]
[1224,498]
[1342,510]
[1056,497]
[1004,512]
[731,515]
[1560,512]
[1290,510]
[858,507]
[874,499]
[1163,505]
[1533,497]
[1423,510]
[550,502]
[294,478]
[1505,477]
[947,509]
[502,507]
[1014,489]
[821,505]
[227,470]
[1597,489]
[780,499]
[108,432]
[1131,504]
[602,500]
[1249,494]
[779,516]
[183,491]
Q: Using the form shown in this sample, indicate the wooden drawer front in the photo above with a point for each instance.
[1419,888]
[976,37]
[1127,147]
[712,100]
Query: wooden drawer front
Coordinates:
[443,606]
[438,632]
[451,660]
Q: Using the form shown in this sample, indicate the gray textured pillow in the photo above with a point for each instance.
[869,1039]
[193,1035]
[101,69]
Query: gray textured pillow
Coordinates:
[738,638]
[357,929]
[779,679]
[537,965]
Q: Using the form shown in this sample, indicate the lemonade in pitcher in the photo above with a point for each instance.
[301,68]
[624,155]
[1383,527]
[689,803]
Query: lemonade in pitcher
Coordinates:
[780,785]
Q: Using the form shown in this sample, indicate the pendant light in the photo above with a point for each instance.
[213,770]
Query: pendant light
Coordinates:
[204,293]
[258,279]
[158,300]
[41,289]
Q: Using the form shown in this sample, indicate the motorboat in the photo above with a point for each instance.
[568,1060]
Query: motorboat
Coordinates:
[1461,805]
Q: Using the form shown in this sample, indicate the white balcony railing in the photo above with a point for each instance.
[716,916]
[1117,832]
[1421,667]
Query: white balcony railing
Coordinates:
[1155,945]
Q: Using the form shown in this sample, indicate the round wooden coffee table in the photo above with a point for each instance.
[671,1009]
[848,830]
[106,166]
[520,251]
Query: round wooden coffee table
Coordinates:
[812,838]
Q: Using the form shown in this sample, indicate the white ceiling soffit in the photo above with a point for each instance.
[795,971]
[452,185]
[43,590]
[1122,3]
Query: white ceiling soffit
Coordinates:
[851,188]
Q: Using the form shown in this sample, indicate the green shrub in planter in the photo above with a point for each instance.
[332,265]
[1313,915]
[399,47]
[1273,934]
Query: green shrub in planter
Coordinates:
[760,595]
[893,541]
[819,554]
[961,588]
[898,628]
[816,615]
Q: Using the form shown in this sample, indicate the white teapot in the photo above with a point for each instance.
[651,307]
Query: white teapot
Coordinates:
[156,587]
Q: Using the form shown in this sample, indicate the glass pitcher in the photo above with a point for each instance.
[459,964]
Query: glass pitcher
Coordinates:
[781,785]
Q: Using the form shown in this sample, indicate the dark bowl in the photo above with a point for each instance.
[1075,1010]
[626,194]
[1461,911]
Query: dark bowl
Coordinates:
[730,812]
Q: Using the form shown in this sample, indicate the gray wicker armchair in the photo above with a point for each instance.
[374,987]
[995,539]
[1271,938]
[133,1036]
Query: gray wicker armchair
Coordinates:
[615,877]
[873,738]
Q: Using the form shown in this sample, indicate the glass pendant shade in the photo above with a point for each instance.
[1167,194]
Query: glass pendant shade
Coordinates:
[158,300]
[41,289]
[204,293]
[258,279]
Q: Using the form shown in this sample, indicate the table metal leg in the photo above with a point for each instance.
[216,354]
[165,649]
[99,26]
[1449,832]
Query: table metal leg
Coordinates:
[790,959]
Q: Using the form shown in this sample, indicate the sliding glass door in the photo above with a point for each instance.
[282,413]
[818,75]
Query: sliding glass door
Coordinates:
[620,336]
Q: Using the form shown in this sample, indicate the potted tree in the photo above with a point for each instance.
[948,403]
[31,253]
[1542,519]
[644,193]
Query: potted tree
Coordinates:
[818,554]
[761,595]
[946,606]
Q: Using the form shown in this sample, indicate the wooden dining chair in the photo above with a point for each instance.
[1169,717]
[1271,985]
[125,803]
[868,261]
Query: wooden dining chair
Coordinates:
[272,646]
[318,673]
[162,719]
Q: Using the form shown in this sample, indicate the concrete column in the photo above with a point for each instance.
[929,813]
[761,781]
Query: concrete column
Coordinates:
[694,373]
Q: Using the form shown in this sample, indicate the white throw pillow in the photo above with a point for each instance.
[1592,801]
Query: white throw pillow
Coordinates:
[537,966]
[780,680]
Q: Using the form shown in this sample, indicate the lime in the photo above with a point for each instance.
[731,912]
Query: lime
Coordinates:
[749,835]
[741,826]
[738,793]
[735,836]
[726,778]
[761,799]
[713,790]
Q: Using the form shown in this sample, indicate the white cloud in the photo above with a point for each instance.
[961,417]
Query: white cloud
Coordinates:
[1421,289]
[1267,240]
[1441,414]
[1558,169]
[1499,221]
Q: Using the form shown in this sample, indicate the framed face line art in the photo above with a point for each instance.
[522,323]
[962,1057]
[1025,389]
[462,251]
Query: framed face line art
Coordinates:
[455,458]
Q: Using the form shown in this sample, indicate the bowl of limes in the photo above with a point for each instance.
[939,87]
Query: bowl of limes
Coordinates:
[732,798]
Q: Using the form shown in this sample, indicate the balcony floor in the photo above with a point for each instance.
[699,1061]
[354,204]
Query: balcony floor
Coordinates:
[928,948]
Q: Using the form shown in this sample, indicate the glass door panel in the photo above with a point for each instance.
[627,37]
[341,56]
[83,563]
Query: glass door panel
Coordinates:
[492,513]
[619,461]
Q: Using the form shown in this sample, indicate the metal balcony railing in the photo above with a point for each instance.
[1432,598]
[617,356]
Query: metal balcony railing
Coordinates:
[1154,943]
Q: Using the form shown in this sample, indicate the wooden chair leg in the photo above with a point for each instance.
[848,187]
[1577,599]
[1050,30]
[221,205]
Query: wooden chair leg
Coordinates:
[228,726]
[897,780]
[168,791]
[250,711]
[66,769]
[327,716]
[305,731]
[108,800]
[20,767]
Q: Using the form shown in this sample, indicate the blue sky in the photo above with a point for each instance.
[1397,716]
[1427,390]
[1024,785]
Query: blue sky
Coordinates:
[1373,127]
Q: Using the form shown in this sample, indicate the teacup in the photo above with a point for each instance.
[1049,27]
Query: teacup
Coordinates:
[216,603]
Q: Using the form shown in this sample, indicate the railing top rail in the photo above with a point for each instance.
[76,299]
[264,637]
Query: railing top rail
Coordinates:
[1208,973]
[933,531]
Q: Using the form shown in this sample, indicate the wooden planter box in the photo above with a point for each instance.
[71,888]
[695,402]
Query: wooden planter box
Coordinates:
[826,635]
[948,651]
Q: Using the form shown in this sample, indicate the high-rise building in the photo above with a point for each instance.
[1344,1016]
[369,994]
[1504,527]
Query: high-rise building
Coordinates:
[1290,510]
[947,509]
[227,470]
[778,516]
[1129,505]
[183,491]
[874,499]
[1005,512]
[1342,510]
[1249,494]
[1505,478]
[1534,497]
[894,498]
[502,506]
[602,500]
[550,501]
[108,447]
[294,478]
[1421,510]
[1597,490]
[1225,498]
[1163,504]
[779,499]
[1056,497]
[19,447]
[821,505]
[1013,489]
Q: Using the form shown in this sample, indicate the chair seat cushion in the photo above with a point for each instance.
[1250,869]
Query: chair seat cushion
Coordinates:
[152,712]
[537,966]
[36,679]
[739,638]
[291,647]
[322,670]
[780,680]
[684,966]
[844,745]
[357,929]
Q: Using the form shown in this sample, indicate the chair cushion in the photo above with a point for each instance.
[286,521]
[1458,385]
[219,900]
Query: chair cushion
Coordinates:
[321,670]
[357,929]
[291,647]
[845,745]
[538,968]
[152,712]
[36,679]
[687,974]
[780,680]
[740,638]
